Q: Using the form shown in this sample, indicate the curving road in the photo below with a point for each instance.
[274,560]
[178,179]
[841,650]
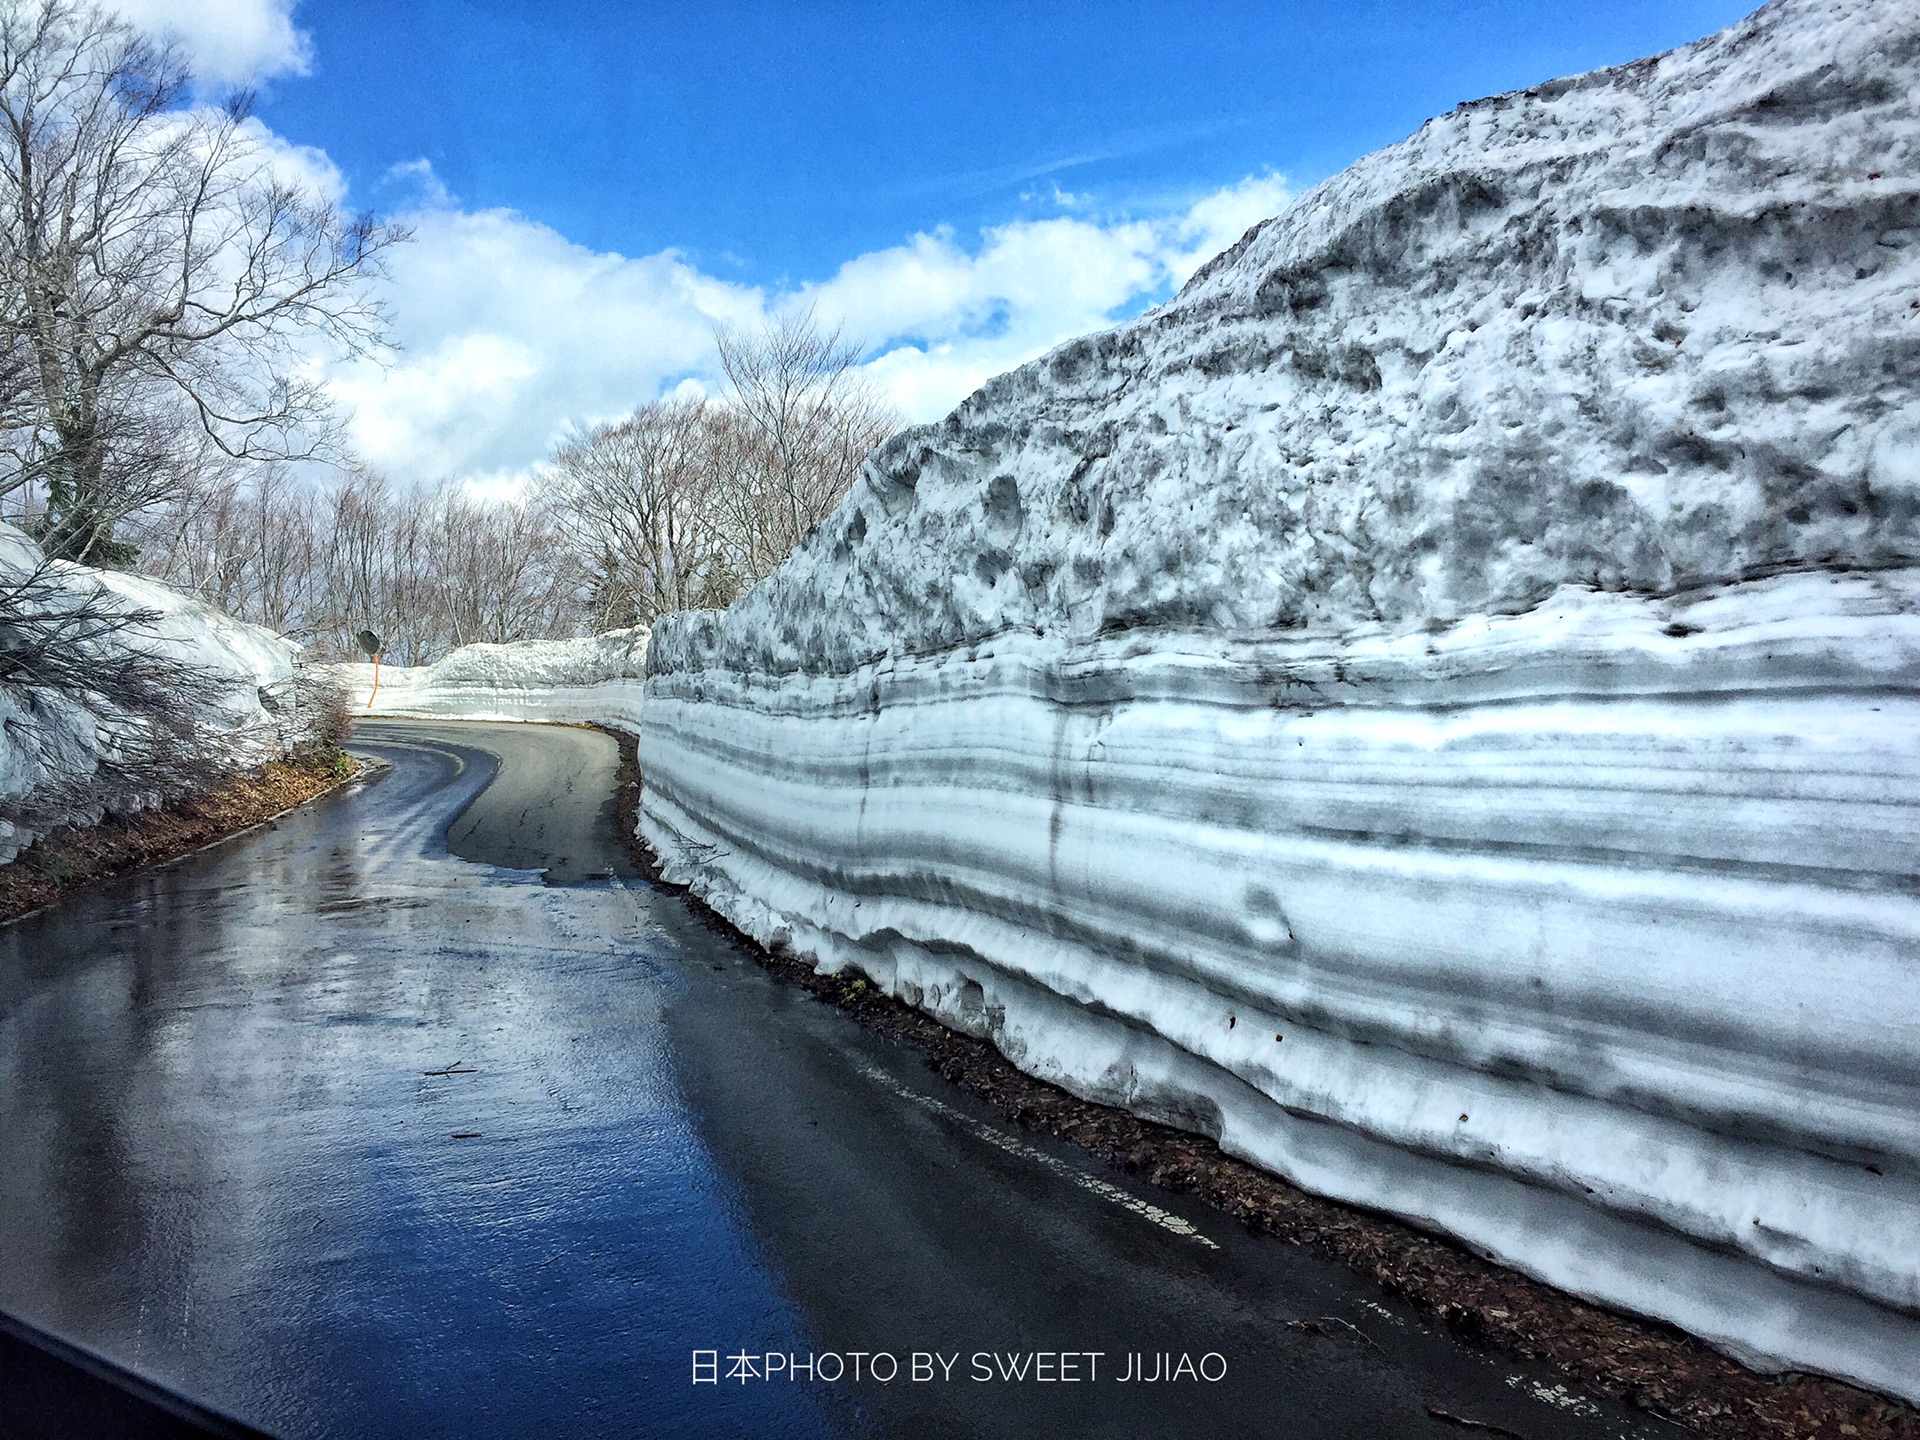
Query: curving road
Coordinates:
[360,1125]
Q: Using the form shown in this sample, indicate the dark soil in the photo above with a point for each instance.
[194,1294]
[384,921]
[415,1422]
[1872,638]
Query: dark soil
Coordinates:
[1641,1362]
[72,858]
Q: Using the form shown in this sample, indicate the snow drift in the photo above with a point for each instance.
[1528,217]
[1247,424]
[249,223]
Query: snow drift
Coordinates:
[598,680]
[58,747]
[1435,705]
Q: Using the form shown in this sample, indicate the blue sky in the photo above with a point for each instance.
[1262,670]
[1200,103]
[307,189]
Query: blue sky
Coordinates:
[962,186]
[772,142]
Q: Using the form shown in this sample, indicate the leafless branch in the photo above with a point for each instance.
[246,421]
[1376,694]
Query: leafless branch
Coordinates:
[160,285]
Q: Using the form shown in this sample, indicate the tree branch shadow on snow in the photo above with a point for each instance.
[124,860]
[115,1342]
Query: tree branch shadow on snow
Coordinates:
[64,640]
[323,704]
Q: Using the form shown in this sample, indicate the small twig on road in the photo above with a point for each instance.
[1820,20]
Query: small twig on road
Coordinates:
[1314,1327]
[1465,1424]
[454,1069]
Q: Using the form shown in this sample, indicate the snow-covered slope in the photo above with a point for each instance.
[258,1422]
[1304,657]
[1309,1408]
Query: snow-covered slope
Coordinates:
[1435,705]
[597,680]
[243,710]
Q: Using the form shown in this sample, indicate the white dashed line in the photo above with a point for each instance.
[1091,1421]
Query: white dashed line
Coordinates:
[1093,1183]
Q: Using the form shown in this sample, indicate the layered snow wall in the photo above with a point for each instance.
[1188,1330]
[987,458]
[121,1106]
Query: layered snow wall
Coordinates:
[1436,705]
[53,743]
[598,680]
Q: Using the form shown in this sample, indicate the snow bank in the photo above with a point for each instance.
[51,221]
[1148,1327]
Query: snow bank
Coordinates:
[52,744]
[598,680]
[1436,705]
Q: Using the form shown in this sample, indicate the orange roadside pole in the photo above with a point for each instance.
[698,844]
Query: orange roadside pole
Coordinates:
[369,644]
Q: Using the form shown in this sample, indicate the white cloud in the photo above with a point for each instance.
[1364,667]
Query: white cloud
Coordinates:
[228,42]
[418,178]
[945,317]
[511,332]
[1065,199]
[306,167]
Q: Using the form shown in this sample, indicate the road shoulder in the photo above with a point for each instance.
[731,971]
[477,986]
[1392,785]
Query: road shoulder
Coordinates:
[70,859]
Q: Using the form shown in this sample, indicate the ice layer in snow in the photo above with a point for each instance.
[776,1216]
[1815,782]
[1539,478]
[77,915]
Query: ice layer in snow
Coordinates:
[51,744]
[1436,705]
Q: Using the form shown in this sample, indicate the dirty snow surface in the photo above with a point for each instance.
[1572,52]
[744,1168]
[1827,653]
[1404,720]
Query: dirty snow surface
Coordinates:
[1436,705]
[243,708]
[597,680]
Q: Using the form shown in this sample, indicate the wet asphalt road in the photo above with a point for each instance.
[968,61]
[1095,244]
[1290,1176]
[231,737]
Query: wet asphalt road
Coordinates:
[344,1134]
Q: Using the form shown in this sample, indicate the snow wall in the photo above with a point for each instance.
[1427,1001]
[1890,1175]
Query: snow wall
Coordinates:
[1435,705]
[599,680]
[51,744]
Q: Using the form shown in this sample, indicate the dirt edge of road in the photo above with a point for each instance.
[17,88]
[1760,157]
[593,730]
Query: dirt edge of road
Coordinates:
[70,859]
[1653,1367]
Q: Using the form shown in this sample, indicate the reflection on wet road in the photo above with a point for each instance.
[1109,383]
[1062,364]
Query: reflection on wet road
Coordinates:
[233,1091]
[345,1135]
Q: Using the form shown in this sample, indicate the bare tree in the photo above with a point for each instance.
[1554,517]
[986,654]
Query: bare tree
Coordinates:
[285,550]
[372,543]
[751,504]
[685,503]
[504,573]
[164,284]
[641,495]
[243,540]
[809,420]
[425,567]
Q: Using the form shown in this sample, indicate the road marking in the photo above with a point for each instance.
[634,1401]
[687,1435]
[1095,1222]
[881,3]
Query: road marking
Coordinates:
[1092,1183]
